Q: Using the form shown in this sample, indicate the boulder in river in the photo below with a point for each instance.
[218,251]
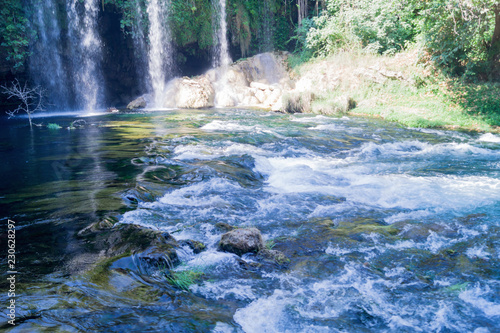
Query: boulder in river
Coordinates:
[241,241]
[195,93]
[138,103]
[273,256]
[116,240]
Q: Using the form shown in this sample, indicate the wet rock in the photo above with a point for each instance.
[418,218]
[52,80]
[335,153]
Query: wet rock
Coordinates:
[241,241]
[137,103]
[195,93]
[278,106]
[106,223]
[196,246]
[226,98]
[159,257]
[274,256]
[260,86]
[129,238]
[224,227]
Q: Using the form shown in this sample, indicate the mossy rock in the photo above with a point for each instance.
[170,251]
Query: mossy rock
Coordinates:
[196,246]
[129,238]
[273,256]
[224,227]
[106,223]
[353,229]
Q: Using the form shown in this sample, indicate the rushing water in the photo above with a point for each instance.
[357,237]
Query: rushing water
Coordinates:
[386,228]
[86,53]
[221,46]
[47,68]
[160,57]
[266,33]
[140,46]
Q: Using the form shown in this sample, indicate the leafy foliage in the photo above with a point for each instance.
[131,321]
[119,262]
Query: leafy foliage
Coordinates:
[459,34]
[377,25]
[15,33]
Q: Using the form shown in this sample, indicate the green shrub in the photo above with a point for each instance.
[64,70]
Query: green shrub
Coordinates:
[53,126]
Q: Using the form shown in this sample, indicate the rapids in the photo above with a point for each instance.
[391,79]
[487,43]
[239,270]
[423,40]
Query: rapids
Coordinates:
[387,228]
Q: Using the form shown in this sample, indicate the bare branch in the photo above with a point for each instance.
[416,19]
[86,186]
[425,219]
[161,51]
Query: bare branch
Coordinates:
[31,99]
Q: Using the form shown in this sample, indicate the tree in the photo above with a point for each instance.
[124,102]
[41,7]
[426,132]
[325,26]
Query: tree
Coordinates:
[302,10]
[30,99]
[463,35]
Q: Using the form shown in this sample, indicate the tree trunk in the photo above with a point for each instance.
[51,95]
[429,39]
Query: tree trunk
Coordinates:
[494,51]
[302,10]
[496,33]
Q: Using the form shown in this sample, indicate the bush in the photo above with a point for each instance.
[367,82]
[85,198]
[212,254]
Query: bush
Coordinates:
[298,102]
[379,26]
[53,126]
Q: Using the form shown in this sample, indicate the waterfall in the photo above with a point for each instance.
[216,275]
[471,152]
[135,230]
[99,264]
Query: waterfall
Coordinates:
[86,53]
[160,57]
[46,66]
[221,49]
[140,47]
[266,33]
[224,94]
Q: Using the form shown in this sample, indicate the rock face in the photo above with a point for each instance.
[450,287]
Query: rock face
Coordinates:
[195,93]
[137,103]
[256,81]
[241,241]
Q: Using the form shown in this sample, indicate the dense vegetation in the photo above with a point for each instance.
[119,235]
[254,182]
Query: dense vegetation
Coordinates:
[461,38]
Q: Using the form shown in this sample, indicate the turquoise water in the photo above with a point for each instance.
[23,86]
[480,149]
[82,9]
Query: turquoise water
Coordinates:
[386,228]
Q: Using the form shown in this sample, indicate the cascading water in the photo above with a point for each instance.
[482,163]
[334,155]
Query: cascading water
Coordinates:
[140,47]
[266,33]
[221,49]
[221,58]
[86,53]
[47,68]
[160,57]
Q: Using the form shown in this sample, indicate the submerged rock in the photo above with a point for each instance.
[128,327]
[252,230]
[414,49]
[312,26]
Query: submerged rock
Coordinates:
[196,246]
[273,256]
[241,241]
[224,227]
[128,238]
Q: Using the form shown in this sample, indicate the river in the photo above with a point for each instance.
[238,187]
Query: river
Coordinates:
[386,228]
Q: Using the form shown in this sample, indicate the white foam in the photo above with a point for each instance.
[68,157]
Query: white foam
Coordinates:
[315,119]
[265,314]
[477,252]
[489,137]
[229,289]
[417,149]
[363,185]
[476,297]
[230,126]
[204,152]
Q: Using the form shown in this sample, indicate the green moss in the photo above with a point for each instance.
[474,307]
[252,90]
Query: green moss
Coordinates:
[101,273]
[346,229]
[184,279]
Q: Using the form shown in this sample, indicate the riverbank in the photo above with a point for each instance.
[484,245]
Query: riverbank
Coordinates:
[404,88]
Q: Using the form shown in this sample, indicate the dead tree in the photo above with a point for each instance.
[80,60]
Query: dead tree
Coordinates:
[30,99]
